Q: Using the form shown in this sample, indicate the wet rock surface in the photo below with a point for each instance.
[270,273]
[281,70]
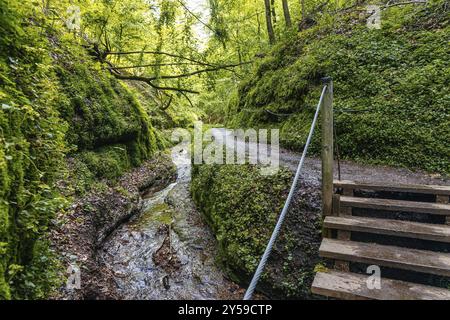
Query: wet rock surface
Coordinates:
[167,251]
[79,233]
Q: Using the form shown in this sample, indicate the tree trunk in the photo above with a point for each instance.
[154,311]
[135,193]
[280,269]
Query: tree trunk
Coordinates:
[259,26]
[287,14]
[269,22]
[274,12]
[302,2]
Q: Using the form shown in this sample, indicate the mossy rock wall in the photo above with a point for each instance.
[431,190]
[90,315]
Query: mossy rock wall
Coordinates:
[109,129]
[242,207]
[101,110]
[55,101]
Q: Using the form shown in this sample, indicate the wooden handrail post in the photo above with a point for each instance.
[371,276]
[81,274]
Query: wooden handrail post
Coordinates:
[327,149]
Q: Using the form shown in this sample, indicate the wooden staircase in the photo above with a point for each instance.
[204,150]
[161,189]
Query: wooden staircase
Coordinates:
[377,222]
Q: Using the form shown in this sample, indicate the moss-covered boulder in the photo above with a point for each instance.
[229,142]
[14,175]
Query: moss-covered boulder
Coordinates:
[242,207]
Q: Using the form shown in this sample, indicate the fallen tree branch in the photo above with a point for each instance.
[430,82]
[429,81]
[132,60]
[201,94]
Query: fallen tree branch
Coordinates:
[190,74]
[149,81]
[185,75]
[153,65]
[173,55]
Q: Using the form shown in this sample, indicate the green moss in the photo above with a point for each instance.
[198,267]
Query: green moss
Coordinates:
[55,101]
[102,111]
[391,87]
[107,162]
[32,150]
[241,206]
[160,213]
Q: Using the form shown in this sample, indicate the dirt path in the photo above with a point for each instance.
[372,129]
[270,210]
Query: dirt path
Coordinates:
[349,170]
[362,173]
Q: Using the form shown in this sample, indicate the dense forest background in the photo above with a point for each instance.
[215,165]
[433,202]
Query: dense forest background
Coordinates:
[89,89]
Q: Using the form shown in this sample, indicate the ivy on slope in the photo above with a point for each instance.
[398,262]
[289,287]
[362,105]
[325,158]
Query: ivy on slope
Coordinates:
[391,87]
[31,151]
[55,101]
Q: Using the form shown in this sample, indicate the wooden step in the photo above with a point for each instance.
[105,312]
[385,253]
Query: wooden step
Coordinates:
[395,205]
[389,256]
[411,188]
[407,229]
[352,286]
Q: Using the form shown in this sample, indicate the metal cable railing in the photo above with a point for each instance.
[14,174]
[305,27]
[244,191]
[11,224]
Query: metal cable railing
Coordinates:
[276,231]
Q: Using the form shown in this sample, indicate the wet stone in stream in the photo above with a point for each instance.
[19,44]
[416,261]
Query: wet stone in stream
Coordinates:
[168,252]
[165,257]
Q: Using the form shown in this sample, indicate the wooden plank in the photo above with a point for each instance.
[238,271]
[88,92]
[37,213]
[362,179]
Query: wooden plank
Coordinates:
[444,199]
[389,256]
[342,265]
[352,286]
[349,192]
[341,234]
[326,233]
[336,204]
[424,189]
[396,205]
[327,149]
[407,229]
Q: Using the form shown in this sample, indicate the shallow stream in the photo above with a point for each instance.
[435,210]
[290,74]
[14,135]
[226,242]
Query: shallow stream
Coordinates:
[167,251]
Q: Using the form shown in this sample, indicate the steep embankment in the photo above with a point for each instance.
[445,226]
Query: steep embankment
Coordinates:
[56,102]
[391,86]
